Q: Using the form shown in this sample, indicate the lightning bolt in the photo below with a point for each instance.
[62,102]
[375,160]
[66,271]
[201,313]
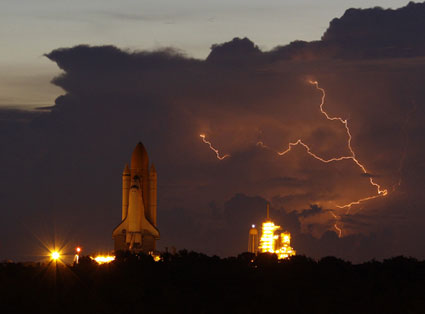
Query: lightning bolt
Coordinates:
[336,224]
[380,192]
[217,153]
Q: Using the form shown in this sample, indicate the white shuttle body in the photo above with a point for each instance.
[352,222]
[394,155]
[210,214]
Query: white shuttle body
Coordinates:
[138,231]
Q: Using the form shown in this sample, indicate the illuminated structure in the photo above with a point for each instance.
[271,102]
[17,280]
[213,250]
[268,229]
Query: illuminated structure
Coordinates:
[103,259]
[271,243]
[253,240]
[77,255]
[138,231]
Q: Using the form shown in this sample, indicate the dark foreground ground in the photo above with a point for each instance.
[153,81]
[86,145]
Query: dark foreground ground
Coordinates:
[189,282]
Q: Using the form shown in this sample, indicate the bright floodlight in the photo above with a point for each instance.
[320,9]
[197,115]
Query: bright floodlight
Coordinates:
[78,249]
[55,255]
[103,259]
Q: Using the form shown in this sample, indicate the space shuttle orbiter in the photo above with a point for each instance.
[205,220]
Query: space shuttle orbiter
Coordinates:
[138,231]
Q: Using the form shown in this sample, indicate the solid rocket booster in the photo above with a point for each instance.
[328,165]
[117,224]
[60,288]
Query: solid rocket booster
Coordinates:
[126,178]
[152,194]
[137,230]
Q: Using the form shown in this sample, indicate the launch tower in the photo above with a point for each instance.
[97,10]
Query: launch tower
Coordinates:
[273,243]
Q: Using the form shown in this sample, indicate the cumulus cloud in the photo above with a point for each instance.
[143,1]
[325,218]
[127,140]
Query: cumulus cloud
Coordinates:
[67,162]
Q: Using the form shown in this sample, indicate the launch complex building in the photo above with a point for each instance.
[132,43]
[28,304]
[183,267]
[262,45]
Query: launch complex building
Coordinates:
[270,242]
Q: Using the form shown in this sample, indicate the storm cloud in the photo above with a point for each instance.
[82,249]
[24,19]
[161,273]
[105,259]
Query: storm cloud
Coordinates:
[63,166]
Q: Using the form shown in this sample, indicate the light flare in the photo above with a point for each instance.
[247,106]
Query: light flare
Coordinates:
[103,259]
[217,153]
[55,255]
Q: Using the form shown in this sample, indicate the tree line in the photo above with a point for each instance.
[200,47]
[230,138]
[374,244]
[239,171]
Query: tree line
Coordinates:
[191,282]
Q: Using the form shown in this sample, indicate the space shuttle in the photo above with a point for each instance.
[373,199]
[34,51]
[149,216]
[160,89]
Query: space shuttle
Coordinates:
[138,231]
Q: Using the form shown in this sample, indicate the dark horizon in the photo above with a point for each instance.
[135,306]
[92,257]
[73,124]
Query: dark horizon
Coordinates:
[190,282]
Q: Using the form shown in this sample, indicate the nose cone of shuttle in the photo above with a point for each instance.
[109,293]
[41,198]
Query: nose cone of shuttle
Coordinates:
[139,158]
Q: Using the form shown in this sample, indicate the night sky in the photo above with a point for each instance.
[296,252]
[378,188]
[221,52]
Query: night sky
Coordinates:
[61,165]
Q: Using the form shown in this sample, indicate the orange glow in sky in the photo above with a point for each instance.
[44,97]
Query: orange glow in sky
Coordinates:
[380,192]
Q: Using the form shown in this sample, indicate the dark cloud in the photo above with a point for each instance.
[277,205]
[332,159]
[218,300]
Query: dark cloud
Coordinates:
[365,33]
[63,165]
[313,210]
[386,32]
[235,52]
